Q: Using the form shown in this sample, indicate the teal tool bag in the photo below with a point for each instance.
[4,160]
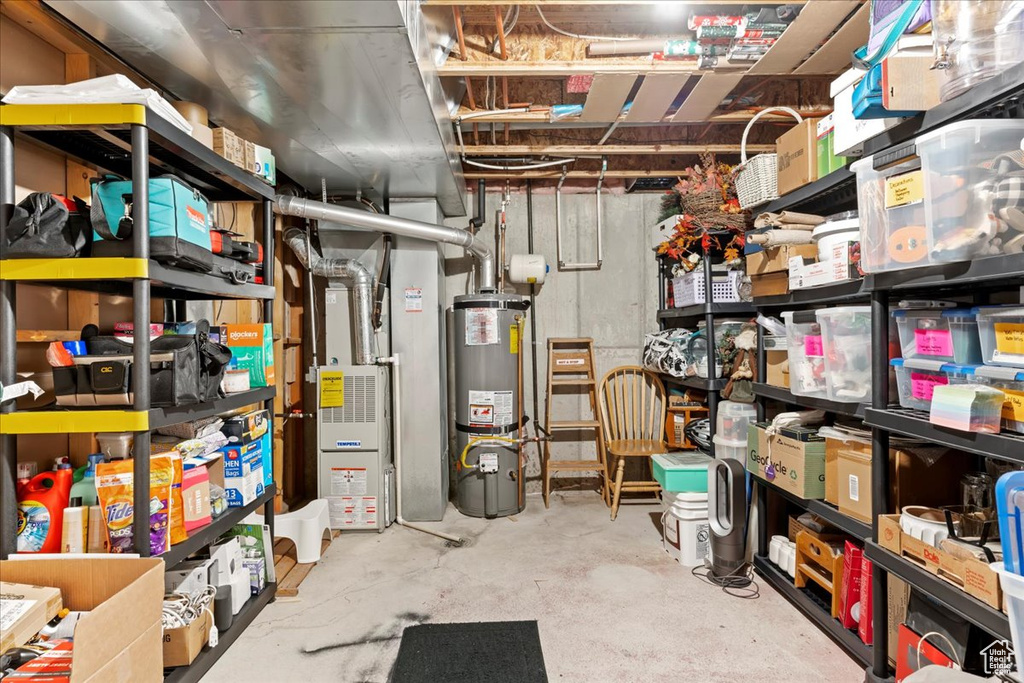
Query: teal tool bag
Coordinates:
[179,221]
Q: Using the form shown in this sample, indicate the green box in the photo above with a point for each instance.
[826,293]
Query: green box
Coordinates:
[827,159]
[793,465]
[685,472]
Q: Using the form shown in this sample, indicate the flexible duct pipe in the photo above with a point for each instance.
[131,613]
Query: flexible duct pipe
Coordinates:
[305,208]
[352,273]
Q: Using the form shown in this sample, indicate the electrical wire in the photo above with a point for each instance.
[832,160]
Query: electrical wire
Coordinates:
[181,609]
[570,34]
[736,584]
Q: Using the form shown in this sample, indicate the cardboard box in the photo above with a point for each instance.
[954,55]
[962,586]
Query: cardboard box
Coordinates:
[795,466]
[773,284]
[797,159]
[252,349]
[249,149]
[840,268]
[119,639]
[777,374]
[26,609]
[899,599]
[265,165]
[190,577]
[182,645]
[909,83]
[854,474]
[229,146]
[195,493]
[850,132]
[257,568]
[204,134]
[248,427]
[832,448]
[243,473]
[776,259]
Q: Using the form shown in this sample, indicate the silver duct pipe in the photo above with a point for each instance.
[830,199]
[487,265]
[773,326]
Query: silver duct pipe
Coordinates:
[305,208]
[351,272]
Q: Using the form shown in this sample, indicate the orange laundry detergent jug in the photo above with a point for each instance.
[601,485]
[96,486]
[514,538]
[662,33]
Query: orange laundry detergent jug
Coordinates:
[41,504]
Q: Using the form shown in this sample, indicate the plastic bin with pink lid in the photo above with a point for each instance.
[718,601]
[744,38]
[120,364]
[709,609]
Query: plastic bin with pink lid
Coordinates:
[846,342]
[949,336]
[916,379]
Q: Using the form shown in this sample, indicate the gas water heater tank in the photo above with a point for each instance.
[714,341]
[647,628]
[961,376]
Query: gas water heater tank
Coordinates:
[487,368]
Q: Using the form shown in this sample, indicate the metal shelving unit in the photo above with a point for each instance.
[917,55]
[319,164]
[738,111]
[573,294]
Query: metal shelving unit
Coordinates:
[785,396]
[819,197]
[854,527]
[133,141]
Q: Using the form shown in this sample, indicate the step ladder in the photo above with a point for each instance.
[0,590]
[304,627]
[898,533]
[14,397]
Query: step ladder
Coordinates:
[571,364]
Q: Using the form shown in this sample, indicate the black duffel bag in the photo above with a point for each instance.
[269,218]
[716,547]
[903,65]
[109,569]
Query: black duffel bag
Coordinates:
[191,375]
[45,226]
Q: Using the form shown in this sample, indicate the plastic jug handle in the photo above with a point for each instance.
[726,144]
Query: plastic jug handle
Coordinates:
[36,485]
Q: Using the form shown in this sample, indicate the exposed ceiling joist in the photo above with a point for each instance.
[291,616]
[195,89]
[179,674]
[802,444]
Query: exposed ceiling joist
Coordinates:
[542,115]
[584,3]
[555,174]
[608,150]
[555,69]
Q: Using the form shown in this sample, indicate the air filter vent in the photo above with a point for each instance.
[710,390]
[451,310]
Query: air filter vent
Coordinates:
[360,402]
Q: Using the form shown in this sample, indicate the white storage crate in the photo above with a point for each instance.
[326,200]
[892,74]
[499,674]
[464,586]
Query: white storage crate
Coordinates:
[688,289]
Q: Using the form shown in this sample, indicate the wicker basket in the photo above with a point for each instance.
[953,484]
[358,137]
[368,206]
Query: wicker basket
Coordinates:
[757,179]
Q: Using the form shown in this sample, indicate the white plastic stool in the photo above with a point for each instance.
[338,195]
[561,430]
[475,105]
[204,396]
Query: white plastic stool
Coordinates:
[305,527]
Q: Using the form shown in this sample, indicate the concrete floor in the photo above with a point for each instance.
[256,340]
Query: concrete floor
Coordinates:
[611,605]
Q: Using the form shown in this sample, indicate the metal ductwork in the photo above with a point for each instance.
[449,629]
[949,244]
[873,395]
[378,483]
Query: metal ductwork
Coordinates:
[352,273]
[305,208]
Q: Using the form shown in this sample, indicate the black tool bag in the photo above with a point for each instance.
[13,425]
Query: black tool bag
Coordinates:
[43,226]
[184,369]
[234,271]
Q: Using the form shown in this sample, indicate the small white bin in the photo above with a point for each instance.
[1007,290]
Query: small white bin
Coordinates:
[1002,335]
[947,336]
[846,338]
[688,289]
[806,355]
[733,419]
[916,379]
[735,449]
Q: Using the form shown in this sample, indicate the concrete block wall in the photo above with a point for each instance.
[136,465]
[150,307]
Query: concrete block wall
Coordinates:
[615,306]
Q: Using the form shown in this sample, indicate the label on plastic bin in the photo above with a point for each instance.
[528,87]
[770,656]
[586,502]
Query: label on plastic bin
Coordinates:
[813,346]
[1013,408]
[922,385]
[1009,340]
[904,189]
[933,342]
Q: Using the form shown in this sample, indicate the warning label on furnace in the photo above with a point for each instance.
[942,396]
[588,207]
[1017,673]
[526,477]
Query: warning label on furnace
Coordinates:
[348,481]
[482,326]
[347,512]
[490,408]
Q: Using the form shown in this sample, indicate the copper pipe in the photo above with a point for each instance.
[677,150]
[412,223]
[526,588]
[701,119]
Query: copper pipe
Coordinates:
[457,13]
[501,32]
[472,105]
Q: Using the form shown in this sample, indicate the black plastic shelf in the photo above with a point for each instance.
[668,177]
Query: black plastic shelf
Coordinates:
[785,396]
[208,657]
[1005,446]
[162,417]
[854,527]
[696,310]
[207,535]
[998,97]
[968,607]
[841,292]
[171,150]
[991,272]
[835,192]
[848,640]
[696,382]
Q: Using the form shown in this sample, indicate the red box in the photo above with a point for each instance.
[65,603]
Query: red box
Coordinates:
[866,586]
[850,594]
[906,654]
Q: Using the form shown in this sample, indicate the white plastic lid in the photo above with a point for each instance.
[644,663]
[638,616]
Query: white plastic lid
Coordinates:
[729,443]
[968,126]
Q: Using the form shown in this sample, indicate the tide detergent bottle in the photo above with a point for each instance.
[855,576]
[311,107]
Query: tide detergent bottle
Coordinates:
[41,504]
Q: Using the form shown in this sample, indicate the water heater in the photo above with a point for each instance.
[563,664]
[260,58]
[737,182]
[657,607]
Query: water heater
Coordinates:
[486,353]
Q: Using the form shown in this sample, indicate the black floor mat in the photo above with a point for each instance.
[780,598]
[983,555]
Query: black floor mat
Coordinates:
[485,652]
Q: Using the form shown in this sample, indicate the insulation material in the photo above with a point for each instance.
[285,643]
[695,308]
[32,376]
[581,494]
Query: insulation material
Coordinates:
[834,55]
[607,96]
[706,96]
[579,83]
[655,96]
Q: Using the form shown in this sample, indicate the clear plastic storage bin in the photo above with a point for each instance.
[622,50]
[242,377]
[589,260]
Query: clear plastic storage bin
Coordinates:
[947,336]
[967,408]
[734,449]
[806,354]
[893,235]
[1002,335]
[917,378]
[974,192]
[1011,382]
[733,420]
[975,41]
[846,338]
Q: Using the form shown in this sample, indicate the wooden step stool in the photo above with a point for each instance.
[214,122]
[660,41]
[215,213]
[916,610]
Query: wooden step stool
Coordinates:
[571,364]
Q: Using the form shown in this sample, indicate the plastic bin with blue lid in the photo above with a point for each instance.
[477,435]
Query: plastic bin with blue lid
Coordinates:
[916,379]
[685,472]
[949,336]
[1001,329]
[1011,382]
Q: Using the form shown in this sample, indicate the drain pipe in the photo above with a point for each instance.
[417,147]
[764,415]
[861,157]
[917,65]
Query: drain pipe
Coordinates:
[396,364]
[533,321]
[351,272]
[305,208]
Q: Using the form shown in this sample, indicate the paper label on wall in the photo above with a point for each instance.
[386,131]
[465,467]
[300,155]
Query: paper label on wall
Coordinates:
[1013,408]
[330,297]
[513,339]
[11,611]
[1009,343]
[490,408]
[922,385]
[482,326]
[348,481]
[352,511]
[934,342]
[813,345]
[332,389]
[413,300]
[904,189]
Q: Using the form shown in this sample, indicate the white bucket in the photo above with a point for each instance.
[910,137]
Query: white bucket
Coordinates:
[686,538]
[1013,587]
[685,505]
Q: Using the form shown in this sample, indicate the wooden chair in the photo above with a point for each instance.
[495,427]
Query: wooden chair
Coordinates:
[633,416]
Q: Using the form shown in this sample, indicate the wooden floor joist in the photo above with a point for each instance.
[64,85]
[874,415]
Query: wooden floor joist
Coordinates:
[556,68]
[609,150]
[556,173]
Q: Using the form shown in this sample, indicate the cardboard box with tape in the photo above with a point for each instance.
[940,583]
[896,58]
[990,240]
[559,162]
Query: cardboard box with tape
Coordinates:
[792,460]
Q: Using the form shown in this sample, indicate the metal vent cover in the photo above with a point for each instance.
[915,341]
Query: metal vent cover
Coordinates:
[360,402]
